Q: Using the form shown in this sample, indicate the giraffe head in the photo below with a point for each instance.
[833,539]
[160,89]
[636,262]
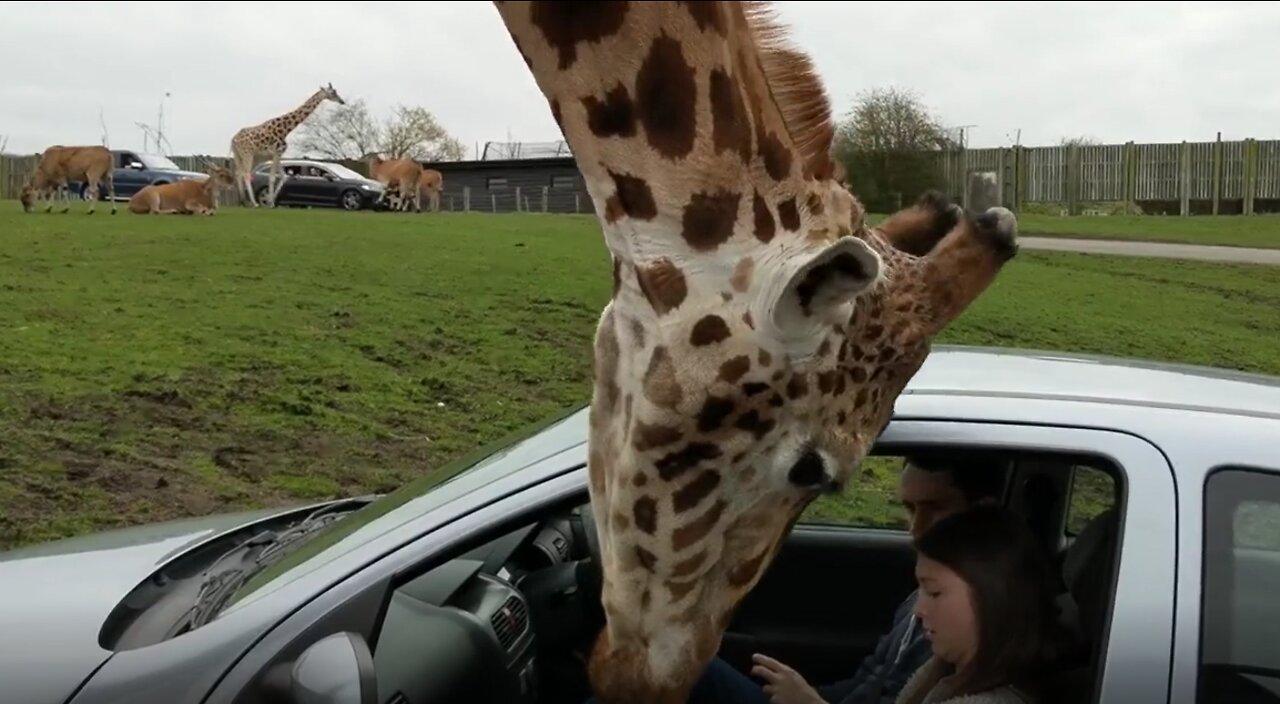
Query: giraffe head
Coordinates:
[758,332]
[331,93]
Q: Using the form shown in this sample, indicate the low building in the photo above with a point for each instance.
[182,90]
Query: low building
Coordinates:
[539,185]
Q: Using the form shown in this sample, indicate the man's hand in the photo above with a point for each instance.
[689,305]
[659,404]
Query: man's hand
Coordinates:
[783,684]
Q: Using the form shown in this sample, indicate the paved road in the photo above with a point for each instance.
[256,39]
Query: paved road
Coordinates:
[1243,255]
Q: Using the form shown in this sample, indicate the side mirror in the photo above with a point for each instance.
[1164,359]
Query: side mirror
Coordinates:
[337,669]
[136,165]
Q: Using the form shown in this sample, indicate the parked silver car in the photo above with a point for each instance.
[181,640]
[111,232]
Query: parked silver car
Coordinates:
[1157,485]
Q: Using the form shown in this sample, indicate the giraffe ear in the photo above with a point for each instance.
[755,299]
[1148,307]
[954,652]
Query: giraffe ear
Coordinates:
[810,290]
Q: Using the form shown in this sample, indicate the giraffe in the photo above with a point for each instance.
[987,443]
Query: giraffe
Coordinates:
[268,139]
[758,331]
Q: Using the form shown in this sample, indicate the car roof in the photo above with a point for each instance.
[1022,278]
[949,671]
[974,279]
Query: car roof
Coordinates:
[1041,374]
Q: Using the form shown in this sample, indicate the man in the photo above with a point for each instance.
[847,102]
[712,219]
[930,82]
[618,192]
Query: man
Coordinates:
[930,488]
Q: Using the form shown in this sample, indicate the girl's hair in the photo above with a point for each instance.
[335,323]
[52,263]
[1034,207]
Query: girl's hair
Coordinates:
[1013,588]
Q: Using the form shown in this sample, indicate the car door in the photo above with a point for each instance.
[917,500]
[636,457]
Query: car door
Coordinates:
[315,185]
[130,174]
[833,589]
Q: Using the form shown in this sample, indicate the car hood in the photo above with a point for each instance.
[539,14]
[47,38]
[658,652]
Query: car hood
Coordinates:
[60,593]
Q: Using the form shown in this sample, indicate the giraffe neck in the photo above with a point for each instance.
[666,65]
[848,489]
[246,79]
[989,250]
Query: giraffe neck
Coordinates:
[295,117]
[670,116]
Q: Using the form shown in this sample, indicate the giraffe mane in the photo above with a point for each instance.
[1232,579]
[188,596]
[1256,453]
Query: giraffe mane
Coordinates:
[795,86]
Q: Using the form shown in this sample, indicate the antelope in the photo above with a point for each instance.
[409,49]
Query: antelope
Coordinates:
[60,164]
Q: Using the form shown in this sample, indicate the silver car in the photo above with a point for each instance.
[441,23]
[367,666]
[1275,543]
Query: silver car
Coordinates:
[1158,486]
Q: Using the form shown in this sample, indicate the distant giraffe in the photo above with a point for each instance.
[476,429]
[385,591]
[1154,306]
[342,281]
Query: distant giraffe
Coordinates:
[268,139]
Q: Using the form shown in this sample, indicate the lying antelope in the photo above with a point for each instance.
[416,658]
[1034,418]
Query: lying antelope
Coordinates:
[60,165]
[182,197]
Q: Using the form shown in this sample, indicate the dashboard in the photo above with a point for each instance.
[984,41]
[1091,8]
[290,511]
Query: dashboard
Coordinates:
[504,622]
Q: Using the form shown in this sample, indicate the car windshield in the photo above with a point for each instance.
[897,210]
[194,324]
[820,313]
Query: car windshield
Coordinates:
[343,172]
[522,446]
[155,161]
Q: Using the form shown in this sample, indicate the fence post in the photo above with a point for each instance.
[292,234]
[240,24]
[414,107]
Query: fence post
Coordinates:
[544,199]
[1217,173]
[1250,173]
[517,199]
[1184,179]
[493,202]
[466,198]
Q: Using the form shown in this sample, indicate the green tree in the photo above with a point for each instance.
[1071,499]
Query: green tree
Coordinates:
[889,143]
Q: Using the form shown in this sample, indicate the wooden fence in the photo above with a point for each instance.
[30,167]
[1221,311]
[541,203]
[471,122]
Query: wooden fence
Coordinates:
[1175,178]
[1220,177]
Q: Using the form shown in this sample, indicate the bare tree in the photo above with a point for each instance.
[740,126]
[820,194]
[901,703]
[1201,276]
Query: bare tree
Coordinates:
[344,132]
[350,132]
[888,143]
[414,133]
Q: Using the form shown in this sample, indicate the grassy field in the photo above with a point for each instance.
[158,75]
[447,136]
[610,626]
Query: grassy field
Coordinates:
[160,367]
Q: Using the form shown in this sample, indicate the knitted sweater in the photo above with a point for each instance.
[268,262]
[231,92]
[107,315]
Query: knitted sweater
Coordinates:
[929,686]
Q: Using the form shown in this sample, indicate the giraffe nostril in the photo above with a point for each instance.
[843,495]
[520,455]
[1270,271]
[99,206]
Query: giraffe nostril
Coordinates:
[809,471]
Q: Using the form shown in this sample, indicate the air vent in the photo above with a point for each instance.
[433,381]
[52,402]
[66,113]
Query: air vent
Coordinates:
[510,622]
[398,698]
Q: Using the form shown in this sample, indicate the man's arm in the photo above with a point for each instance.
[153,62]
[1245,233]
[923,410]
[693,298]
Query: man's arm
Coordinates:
[885,650]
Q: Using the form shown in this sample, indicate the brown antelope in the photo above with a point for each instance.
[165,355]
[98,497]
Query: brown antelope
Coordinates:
[182,197]
[59,165]
[432,184]
[400,177]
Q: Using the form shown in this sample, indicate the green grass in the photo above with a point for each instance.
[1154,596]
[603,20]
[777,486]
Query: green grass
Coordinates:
[160,367]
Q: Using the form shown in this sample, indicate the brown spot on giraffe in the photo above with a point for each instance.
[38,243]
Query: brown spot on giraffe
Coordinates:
[777,159]
[708,15]
[646,558]
[689,565]
[789,215]
[649,437]
[663,285]
[678,463]
[660,384]
[645,514]
[714,412]
[765,228]
[694,531]
[615,116]
[709,330]
[634,196]
[709,218]
[734,369]
[667,98]
[565,24]
[730,130]
[690,495]
[680,590]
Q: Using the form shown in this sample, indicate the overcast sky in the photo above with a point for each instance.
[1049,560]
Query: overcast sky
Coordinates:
[1115,71]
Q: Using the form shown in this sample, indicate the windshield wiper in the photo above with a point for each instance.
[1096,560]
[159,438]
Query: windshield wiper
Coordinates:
[248,559]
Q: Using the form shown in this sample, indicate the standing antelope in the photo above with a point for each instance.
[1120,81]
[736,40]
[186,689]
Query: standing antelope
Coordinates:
[59,165]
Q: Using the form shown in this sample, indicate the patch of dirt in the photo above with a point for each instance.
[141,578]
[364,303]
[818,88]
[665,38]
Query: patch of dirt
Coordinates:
[239,462]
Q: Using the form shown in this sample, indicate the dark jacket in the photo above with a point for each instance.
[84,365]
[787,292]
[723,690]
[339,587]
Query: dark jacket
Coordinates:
[883,673]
